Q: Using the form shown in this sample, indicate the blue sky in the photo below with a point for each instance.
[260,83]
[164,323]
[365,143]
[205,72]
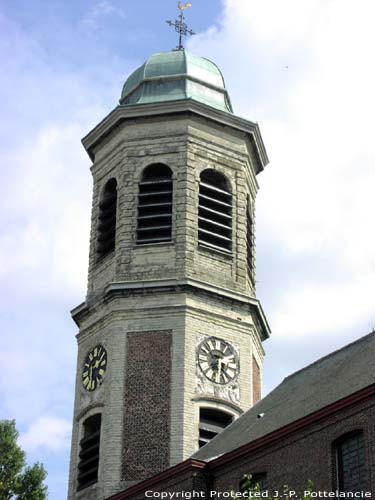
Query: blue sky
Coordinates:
[303,70]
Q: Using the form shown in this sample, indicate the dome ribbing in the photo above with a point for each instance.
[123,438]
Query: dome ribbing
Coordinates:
[176,75]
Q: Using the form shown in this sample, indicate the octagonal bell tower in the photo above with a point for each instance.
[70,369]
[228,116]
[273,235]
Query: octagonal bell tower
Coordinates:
[170,334]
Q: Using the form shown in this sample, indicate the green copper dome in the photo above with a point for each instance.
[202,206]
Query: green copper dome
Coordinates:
[171,76]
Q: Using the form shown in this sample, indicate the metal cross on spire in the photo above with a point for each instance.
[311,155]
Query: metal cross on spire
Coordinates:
[180,26]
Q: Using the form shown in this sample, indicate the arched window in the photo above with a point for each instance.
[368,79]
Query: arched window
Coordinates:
[211,423]
[154,224]
[351,471]
[107,220]
[215,211]
[89,452]
[249,239]
[252,481]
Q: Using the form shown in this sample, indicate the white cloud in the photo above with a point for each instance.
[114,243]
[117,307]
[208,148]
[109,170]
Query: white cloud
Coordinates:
[303,71]
[47,433]
[322,309]
[281,24]
[48,224]
[102,9]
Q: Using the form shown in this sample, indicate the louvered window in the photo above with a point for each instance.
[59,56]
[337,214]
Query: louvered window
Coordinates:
[351,463]
[89,452]
[211,423]
[215,211]
[249,239]
[155,205]
[107,220]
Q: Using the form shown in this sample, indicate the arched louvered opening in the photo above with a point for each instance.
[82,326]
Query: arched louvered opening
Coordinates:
[107,220]
[211,423]
[351,469]
[154,224]
[89,452]
[249,239]
[215,211]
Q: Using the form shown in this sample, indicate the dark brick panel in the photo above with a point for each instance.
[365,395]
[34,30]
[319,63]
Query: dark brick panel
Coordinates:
[147,404]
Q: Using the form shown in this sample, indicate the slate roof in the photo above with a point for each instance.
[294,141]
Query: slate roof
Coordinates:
[322,383]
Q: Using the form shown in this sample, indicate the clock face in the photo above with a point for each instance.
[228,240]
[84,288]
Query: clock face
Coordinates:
[218,360]
[94,368]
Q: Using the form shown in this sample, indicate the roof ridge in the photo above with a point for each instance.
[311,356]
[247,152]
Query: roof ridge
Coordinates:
[330,355]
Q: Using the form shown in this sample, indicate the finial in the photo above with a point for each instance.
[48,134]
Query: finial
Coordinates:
[180,26]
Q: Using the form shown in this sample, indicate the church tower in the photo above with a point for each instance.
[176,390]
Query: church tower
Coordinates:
[170,334]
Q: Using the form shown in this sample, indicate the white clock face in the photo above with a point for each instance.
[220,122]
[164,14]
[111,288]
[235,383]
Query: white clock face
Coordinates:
[218,360]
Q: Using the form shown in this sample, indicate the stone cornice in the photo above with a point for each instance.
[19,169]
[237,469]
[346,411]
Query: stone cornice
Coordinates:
[123,113]
[125,288]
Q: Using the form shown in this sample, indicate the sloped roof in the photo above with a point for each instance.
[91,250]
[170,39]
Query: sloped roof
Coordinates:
[306,391]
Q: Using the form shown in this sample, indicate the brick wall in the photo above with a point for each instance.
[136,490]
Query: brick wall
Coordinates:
[291,461]
[185,478]
[307,454]
[147,404]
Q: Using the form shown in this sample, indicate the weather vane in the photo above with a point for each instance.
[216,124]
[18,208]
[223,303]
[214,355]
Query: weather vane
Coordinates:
[180,26]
